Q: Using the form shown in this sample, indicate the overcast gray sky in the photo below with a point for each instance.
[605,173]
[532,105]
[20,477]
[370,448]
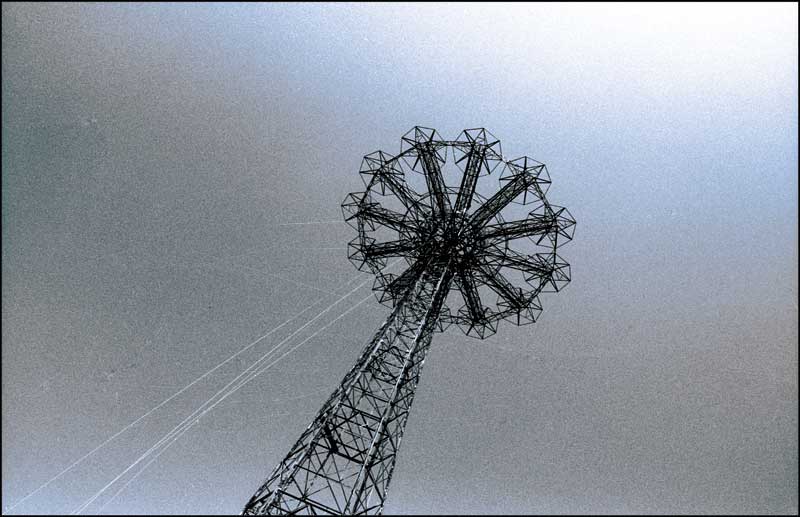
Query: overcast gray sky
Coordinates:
[151,151]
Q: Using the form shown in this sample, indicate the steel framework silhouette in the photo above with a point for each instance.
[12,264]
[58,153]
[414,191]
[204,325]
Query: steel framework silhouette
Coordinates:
[472,261]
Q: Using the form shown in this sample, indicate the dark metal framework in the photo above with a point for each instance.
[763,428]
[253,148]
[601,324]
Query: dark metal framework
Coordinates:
[467,265]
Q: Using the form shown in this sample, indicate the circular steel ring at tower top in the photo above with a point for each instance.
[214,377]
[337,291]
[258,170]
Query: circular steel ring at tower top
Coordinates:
[461,201]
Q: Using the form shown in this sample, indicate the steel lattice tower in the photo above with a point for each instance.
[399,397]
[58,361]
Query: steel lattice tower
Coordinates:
[461,254]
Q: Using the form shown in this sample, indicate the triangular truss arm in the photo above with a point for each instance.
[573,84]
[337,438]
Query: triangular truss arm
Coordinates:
[380,173]
[398,248]
[514,296]
[507,193]
[475,162]
[469,290]
[423,146]
[380,216]
[434,180]
[534,225]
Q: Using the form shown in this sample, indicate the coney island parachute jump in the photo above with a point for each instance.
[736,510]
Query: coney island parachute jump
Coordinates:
[478,243]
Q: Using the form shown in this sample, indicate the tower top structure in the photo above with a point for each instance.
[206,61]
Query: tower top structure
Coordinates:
[426,205]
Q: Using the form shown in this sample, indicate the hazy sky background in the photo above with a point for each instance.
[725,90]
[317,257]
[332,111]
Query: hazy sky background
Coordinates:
[149,151]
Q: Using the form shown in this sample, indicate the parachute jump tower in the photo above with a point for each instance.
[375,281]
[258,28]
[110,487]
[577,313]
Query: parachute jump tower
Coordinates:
[471,259]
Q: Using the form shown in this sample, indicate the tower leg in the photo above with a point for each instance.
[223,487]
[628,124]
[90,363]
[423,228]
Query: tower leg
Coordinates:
[343,461]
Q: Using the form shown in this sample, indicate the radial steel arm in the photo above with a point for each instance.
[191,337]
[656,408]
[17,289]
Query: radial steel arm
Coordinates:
[513,188]
[537,265]
[404,193]
[533,225]
[377,214]
[469,291]
[433,177]
[475,162]
[500,285]
[390,249]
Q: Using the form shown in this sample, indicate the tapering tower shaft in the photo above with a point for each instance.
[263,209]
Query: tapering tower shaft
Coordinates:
[343,461]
